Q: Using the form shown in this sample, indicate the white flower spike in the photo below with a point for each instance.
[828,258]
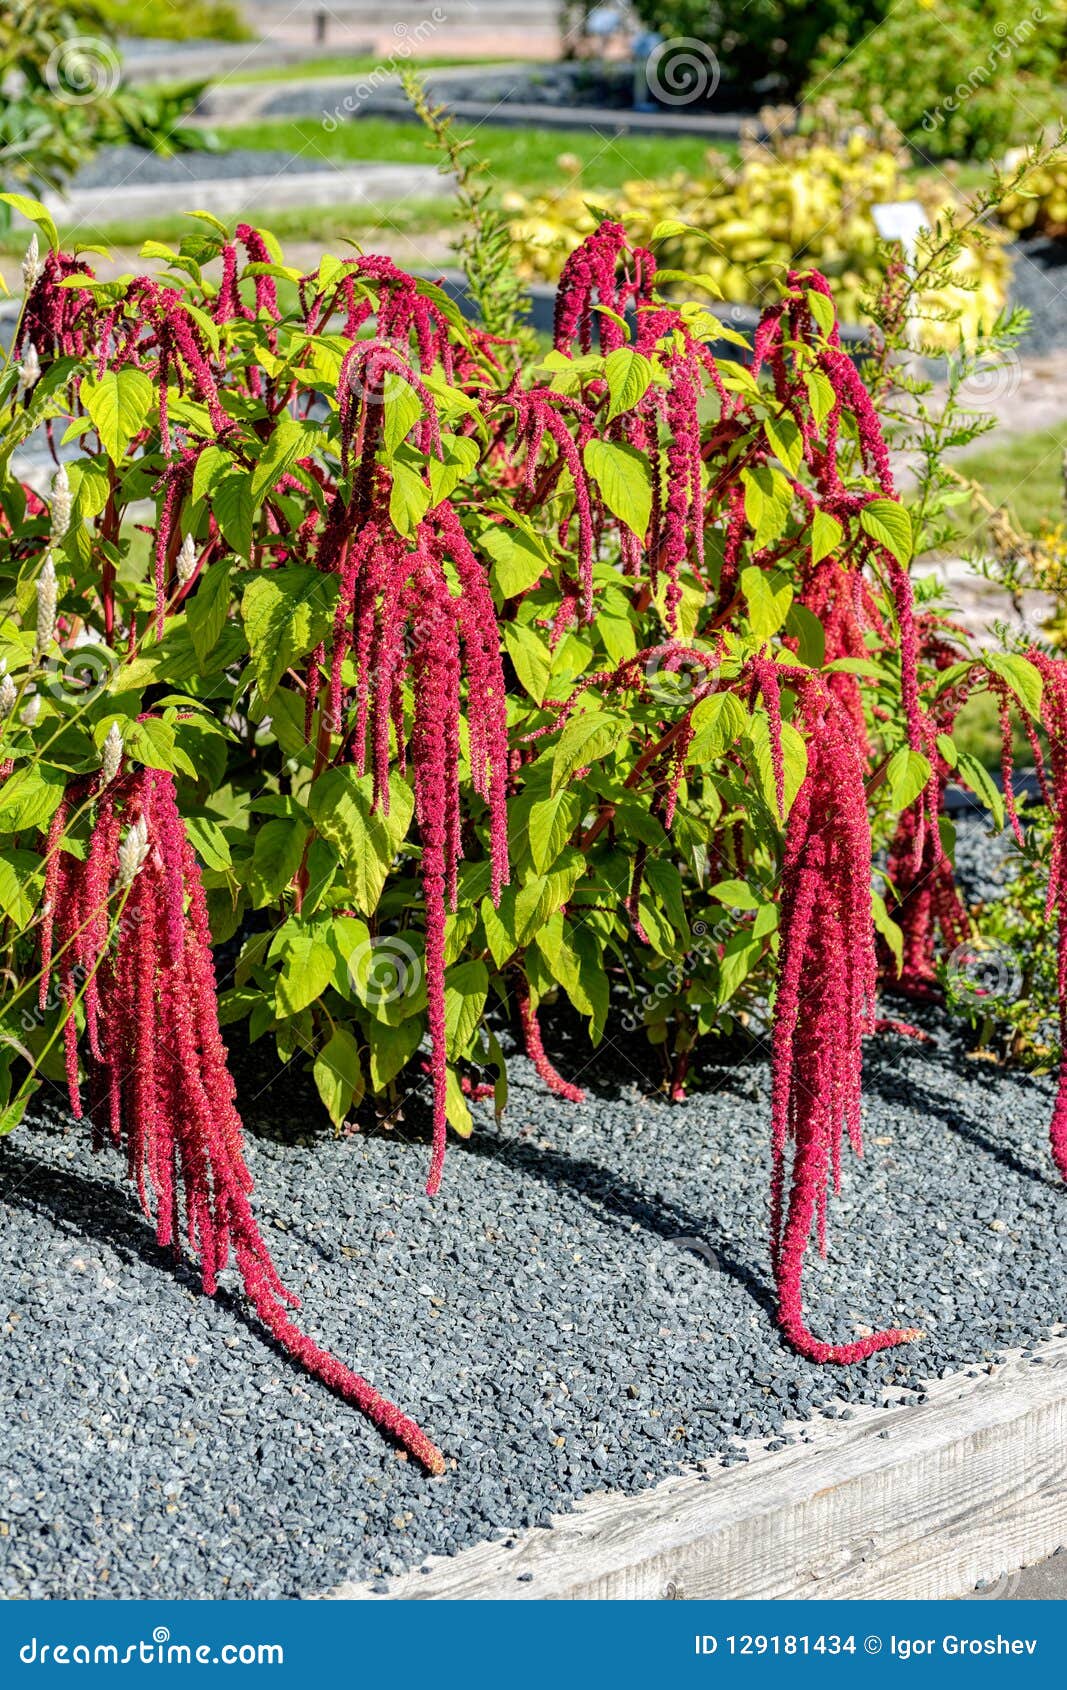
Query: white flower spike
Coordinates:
[62,503]
[47,599]
[111,758]
[133,852]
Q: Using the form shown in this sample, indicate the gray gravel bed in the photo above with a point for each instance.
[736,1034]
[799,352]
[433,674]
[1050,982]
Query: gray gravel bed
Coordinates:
[136,167]
[586,1306]
[1039,281]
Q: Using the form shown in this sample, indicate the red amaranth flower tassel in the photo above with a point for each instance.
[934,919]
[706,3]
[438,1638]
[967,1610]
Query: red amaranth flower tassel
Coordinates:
[825,1004]
[133,918]
[535,1050]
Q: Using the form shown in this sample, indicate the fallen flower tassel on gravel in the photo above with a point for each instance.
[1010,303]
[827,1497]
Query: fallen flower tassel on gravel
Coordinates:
[131,920]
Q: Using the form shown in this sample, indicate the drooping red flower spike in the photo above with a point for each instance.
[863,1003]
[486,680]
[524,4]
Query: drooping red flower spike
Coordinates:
[782,325]
[604,270]
[825,1004]
[922,895]
[402,623]
[535,1050]
[131,920]
[61,322]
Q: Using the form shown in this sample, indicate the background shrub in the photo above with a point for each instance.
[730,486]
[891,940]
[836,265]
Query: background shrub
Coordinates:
[216,20]
[44,140]
[793,199]
[961,79]
[766,39]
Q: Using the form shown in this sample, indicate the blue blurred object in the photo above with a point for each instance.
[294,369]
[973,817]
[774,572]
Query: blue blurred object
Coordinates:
[605,20]
[644,45]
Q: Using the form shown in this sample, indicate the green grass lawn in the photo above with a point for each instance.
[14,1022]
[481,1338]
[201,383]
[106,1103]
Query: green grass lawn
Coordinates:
[521,159]
[339,65]
[1025,474]
[324,225]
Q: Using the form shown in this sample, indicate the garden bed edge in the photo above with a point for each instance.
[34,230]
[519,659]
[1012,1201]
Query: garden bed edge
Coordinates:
[913,1503]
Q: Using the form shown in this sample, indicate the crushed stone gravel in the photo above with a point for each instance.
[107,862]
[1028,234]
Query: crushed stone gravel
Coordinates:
[587,1306]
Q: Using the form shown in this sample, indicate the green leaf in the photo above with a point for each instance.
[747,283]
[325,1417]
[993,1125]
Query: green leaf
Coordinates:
[409,498]
[152,742]
[628,376]
[307,965]
[403,408]
[740,954]
[552,820]
[736,895]
[907,773]
[518,560]
[718,721]
[366,840]
[821,395]
[460,459]
[457,1109]
[889,523]
[118,404]
[785,440]
[1021,676]
[391,1048]
[826,535]
[206,610]
[499,924]
[290,440]
[625,482]
[888,928]
[209,842]
[278,853]
[663,878]
[794,761]
[768,501]
[234,508]
[211,465]
[286,613]
[769,599]
[586,739]
[30,797]
[821,309]
[531,657]
[339,1075]
[20,879]
[982,784]
[803,626]
[466,989]
[35,212]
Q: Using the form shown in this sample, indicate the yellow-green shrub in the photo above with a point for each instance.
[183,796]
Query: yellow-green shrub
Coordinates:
[1039,206]
[806,198]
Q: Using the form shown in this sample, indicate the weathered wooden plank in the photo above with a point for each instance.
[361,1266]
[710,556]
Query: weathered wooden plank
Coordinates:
[963,1487]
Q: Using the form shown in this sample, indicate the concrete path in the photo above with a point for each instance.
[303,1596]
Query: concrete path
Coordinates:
[468,28]
[251,196]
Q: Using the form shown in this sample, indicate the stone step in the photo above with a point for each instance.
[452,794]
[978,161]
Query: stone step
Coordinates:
[251,196]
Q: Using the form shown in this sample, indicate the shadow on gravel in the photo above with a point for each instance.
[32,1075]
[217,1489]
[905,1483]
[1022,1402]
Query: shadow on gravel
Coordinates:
[83,1207]
[621,1204]
[924,1100]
